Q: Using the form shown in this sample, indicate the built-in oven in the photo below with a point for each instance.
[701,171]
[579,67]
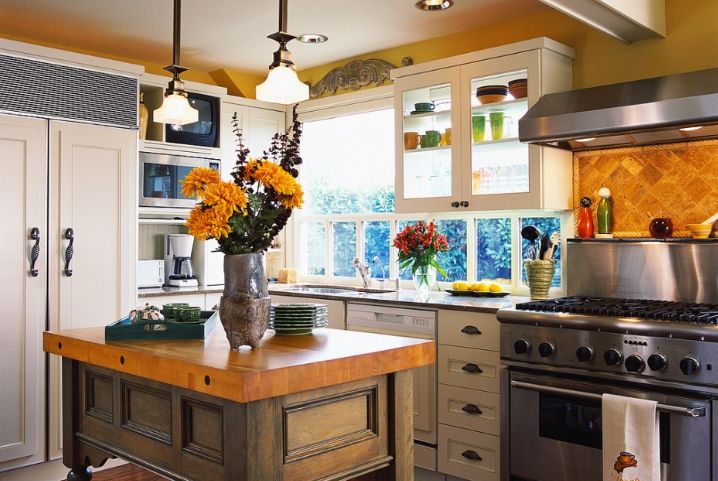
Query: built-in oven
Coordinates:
[555,428]
[162,175]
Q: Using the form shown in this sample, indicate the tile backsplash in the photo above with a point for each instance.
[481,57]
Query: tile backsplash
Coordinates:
[679,181]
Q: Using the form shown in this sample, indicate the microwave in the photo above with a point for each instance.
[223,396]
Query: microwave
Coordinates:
[204,132]
[161,177]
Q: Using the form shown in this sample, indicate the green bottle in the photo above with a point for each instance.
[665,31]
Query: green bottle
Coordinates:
[604,214]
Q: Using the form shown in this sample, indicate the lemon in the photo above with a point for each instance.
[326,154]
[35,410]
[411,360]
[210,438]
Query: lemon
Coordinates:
[460,286]
[494,287]
[480,287]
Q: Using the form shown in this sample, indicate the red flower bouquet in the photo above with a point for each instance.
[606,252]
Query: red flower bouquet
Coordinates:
[418,245]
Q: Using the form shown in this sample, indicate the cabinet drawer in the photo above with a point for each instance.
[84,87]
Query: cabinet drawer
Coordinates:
[469,329]
[469,408]
[471,368]
[468,454]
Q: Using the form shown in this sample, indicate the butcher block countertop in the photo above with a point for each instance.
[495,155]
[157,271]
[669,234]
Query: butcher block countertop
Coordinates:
[283,365]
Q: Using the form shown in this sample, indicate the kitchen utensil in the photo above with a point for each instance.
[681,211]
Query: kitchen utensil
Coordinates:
[661,227]
[498,121]
[178,261]
[431,138]
[424,107]
[531,233]
[518,88]
[187,313]
[491,93]
[711,220]
[411,140]
[585,219]
[543,246]
[446,137]
[554,242]
[604,214]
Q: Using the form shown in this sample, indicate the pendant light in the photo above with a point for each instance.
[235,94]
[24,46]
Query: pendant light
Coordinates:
[282,85]
[175,108]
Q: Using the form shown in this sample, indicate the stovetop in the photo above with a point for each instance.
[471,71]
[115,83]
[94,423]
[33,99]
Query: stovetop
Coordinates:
[655,310]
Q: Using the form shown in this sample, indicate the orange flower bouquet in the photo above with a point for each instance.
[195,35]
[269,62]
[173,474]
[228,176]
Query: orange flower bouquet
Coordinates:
[246,214]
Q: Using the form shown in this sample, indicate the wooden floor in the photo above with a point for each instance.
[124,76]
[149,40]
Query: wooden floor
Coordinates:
[128,472]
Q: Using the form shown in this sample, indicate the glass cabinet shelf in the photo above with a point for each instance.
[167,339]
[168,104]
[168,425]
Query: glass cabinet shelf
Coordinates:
[497,141]
[426,149]
[510,107]
[443,113]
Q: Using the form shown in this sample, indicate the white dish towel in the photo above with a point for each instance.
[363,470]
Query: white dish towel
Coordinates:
[631,450]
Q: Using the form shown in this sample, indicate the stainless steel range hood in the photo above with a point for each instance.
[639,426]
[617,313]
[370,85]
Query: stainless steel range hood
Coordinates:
[652,111]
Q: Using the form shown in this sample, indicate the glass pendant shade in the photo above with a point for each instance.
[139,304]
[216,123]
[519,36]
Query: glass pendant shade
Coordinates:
[175,110]
[283,87]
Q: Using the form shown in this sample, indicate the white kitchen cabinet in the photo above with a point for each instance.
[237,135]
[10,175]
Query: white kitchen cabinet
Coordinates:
[259,122]
[491,170]
[93,197]
[24,295]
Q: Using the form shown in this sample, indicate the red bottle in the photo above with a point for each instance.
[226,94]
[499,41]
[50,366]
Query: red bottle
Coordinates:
[585,220]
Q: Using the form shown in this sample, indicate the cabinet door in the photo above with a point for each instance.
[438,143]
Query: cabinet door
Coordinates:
[498,171]
[227,132]
[93,192]
[263,124]
[23,192]
[428,153]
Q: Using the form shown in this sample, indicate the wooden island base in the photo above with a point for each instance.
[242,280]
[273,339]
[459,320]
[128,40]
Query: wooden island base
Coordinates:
[359,429]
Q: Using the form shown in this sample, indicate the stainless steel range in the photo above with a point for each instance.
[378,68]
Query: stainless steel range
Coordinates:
[611,335]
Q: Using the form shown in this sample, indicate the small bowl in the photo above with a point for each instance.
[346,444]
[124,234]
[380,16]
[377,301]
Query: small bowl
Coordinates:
[518,88]
[492,93]
[700,231]
[187,314]
[424,107]
[168,310]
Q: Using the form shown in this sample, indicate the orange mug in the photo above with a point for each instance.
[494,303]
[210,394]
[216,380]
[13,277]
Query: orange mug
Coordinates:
[411,140]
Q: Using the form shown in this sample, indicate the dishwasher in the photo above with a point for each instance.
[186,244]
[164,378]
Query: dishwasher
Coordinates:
[418,323]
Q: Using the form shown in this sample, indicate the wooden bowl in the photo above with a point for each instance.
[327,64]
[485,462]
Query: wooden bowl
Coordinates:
[518,88]
[700,231]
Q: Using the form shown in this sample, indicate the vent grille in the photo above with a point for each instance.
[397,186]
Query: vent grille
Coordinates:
[60,91]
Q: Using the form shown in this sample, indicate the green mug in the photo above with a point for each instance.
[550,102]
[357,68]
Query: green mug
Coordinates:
[478,128]
[498,121]
[431,138]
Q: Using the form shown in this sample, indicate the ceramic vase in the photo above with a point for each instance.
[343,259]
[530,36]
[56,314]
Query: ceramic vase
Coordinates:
[539,274]
[245,304]
[144,117]
[424,280]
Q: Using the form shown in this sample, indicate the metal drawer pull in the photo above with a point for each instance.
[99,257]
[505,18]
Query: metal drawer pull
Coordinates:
[693,412]
[471,368]
[472,409]
[70,251]
[35,254]
[473,330]
[471,454]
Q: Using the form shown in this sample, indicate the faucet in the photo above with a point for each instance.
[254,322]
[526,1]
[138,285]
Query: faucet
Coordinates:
[363,269]
[378,261]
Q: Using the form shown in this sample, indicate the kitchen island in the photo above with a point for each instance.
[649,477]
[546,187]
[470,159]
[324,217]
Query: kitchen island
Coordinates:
[334,405]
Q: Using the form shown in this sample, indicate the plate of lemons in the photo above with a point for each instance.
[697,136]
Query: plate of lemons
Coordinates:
[477,289]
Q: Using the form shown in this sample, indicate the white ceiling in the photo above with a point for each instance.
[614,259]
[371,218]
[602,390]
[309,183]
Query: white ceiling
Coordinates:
[232,33]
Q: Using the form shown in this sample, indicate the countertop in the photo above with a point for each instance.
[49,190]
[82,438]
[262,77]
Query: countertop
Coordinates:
[281,366]
[401,298]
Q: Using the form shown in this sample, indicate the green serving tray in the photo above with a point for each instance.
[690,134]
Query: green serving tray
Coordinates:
[162,330]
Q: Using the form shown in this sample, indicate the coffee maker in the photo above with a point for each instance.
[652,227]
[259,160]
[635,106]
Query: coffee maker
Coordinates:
[178,262]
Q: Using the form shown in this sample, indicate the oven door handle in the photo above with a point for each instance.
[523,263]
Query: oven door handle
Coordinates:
[693,412]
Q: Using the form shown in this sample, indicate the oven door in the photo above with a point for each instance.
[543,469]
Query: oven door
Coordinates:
[161,178]
[555,427]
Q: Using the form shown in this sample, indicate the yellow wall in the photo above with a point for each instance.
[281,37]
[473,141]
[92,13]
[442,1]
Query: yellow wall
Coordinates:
[691,44]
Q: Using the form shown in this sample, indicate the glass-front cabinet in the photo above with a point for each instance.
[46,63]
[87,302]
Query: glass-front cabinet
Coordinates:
[429,161]
[457,131]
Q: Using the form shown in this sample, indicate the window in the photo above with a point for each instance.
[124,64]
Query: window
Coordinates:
[348,178]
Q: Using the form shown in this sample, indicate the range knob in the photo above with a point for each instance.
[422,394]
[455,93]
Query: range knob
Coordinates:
[545,349]
[689,365]
[635,363]
[584,353]
[522,346]
[613,357]
[657,362]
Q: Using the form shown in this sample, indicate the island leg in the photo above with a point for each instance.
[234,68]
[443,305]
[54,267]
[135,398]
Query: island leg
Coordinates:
[402,429]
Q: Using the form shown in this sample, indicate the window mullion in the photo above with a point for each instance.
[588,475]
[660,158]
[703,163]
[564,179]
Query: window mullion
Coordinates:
[471,248]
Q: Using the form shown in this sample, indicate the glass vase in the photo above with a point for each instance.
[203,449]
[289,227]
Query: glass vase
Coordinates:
[424,280]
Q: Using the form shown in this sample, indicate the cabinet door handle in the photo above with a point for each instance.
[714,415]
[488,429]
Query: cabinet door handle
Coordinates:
[472,330]
[471,454]
[472,409]
[471,368]
[35,253]
[70,251]
[464,203]
[455,205]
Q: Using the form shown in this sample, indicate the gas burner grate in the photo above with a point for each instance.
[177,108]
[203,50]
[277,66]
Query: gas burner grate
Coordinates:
[667,311]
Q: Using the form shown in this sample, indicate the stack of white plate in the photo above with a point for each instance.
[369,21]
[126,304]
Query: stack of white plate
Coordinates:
[297,319]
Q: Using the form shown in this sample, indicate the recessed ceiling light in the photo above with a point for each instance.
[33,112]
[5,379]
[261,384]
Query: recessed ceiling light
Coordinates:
[433,5]
[691,129]
[586,139]
[312,38]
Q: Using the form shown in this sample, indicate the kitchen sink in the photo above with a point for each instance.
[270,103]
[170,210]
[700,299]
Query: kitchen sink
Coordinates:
[325,289]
